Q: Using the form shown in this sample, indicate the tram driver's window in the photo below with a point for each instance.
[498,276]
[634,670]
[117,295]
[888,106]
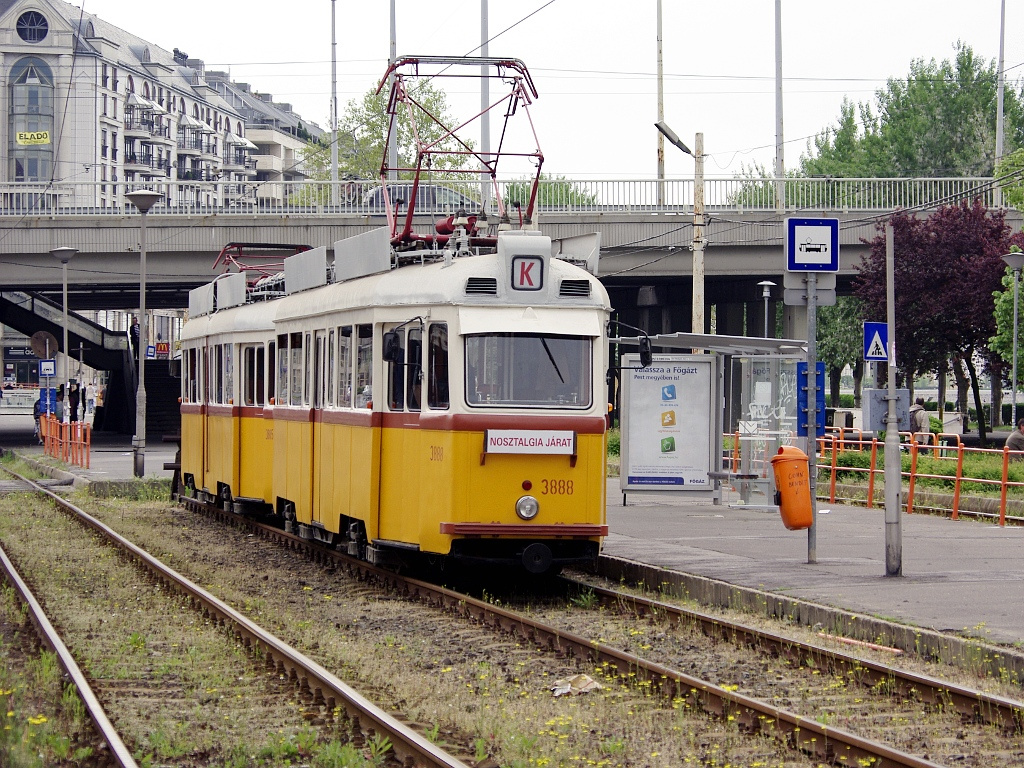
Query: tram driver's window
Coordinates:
[396,376]
[437,366]
[414,369]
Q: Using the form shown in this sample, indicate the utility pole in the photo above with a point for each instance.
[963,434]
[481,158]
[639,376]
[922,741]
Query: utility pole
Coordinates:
[697,317]
[661,116]
[893,476]
[334,108]
[780,165]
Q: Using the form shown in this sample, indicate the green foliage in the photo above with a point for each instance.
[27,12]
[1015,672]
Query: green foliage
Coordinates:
[552,191]
[938,121]
[614,441]
[1013,189]
[846,401]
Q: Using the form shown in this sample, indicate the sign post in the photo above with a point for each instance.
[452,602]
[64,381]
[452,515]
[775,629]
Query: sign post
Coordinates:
[812,246]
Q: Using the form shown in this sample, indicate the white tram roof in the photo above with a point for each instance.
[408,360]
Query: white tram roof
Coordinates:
[468,282]
[257,319]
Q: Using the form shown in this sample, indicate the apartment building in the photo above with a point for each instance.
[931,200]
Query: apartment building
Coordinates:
[93,110]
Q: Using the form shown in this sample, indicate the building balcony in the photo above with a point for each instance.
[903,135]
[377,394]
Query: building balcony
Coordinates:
[137,128]
[162,135]
[134,161]
[189,145]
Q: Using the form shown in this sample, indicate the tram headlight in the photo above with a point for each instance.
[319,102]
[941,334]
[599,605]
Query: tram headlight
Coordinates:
[527,507]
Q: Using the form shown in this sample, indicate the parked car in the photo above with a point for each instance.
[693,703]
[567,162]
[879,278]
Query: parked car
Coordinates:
[430,198]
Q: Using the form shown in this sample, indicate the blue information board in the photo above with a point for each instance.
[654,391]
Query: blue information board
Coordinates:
[812,245]
[801,399]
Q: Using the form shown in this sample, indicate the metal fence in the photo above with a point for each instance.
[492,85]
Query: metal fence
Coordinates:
[190,198]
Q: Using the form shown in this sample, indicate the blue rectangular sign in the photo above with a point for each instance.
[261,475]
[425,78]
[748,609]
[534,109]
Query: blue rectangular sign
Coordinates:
[801,399]
[876,342]
[812,245]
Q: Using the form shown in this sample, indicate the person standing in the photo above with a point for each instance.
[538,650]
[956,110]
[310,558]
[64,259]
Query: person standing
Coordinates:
[920,422]
[1015,442]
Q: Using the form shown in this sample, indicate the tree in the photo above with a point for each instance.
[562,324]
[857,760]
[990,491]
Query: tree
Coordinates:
[1001,343]
[1012,165]
[362,138]
[839,341]
[552,191]
[938,121]
[947,268]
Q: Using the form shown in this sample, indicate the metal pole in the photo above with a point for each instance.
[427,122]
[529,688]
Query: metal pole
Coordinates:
[893,475]
[1013,391]
[661,117]
[393,137]
[780,164]
[812,417]
[139,443]
[697,316]
[485,102]
[334,108]
[67,352]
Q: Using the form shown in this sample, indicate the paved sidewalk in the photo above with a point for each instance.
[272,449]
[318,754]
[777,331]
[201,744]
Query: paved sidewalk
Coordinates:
[957,575]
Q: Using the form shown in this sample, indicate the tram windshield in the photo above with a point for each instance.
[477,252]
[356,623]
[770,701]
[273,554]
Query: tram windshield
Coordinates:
[528,369]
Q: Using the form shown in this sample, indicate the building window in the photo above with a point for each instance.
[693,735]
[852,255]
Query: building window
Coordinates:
[30,121]
[32,27]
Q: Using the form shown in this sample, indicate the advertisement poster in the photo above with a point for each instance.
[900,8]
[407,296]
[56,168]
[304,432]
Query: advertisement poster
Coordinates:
[668,425]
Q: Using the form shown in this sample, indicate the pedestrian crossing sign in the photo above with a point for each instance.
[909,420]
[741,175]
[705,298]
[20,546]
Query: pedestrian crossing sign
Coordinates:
[876,342]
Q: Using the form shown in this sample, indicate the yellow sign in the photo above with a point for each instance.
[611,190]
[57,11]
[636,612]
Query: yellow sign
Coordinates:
[668,418]
[33,137]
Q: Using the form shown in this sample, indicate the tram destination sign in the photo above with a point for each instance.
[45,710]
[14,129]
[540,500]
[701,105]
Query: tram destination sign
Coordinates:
[545,441]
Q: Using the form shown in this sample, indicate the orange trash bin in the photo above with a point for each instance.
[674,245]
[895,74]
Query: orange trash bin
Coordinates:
[793,487]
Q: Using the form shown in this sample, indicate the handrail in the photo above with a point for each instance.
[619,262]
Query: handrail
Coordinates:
[186,197]
[830,447]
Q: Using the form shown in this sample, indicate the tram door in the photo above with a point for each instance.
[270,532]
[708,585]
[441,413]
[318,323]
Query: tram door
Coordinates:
[400,492]
[322,375]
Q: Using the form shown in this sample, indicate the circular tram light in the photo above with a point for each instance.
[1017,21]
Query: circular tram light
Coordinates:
[527,485]
[527,507]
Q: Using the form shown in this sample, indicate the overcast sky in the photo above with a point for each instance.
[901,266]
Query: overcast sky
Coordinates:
[594,63]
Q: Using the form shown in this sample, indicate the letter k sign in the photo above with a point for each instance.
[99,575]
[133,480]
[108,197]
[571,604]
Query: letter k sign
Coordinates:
[527,273]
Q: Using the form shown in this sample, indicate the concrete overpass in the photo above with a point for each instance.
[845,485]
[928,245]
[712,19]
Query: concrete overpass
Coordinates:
[646,228]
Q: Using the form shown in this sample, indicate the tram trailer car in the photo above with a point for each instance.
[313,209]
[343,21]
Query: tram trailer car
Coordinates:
[450,409]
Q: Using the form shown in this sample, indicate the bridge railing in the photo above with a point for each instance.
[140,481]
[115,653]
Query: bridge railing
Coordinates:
[674,196]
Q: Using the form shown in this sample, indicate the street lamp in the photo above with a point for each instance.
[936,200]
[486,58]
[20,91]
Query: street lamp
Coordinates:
[1014,261]
[697,316]
[63,255]
[143,199]
[766,293]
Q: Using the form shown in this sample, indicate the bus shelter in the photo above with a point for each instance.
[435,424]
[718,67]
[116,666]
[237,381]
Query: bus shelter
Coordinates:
[674,412]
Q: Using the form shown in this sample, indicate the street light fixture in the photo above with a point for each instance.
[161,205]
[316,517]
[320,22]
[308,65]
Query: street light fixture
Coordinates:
[143,199]
[697,316]
[766,293]
[64,255]
[1014,261]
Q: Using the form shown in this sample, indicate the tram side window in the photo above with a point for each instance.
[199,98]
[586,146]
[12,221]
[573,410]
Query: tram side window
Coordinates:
[218,373]
[331,367]
[309,370]
[282,369]
[229,373]
[192,377]
[252,375]
[437,366]
[295,367]
[396,377]
[271,363]
[364,366]
[345,366]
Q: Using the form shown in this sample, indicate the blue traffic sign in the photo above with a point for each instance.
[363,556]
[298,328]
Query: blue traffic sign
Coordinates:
[812,245]
[876,342]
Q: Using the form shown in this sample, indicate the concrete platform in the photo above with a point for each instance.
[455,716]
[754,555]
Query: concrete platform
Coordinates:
[111,457]
[959,576]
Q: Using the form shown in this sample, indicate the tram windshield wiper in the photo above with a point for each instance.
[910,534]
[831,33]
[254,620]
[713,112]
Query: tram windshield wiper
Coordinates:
[551,357]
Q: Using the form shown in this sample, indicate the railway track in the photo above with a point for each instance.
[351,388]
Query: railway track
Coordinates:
[880,698]
[322,690]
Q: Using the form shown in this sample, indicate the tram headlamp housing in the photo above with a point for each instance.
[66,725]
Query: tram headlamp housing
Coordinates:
[527,507]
